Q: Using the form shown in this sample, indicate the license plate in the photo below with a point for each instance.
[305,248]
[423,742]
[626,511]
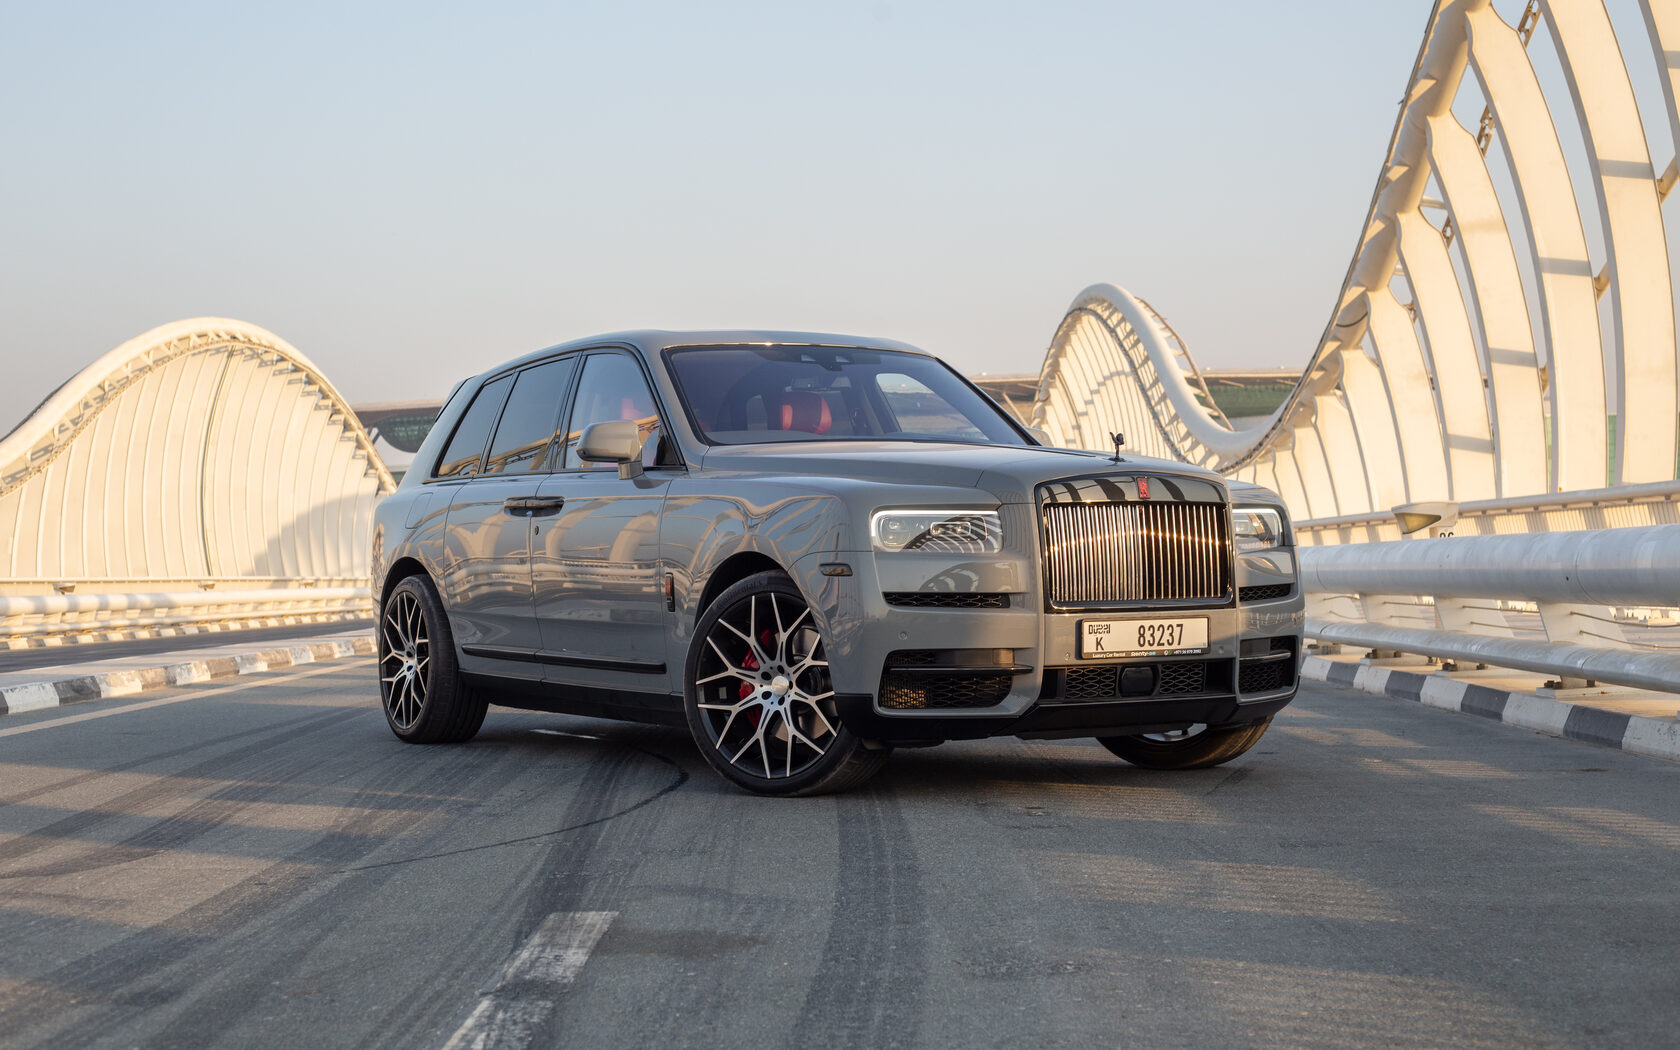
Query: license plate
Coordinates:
[1110,639]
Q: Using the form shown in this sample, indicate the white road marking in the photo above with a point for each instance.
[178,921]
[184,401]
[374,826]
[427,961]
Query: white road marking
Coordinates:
[562,732]
[509,1013]
[244,683]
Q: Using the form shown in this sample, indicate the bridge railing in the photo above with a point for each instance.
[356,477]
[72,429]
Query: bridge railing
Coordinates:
[89,609]
[1593,606]
[1618,507]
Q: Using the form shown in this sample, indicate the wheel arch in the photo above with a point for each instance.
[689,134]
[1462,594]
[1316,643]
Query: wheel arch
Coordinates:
[733,570]
[400,570]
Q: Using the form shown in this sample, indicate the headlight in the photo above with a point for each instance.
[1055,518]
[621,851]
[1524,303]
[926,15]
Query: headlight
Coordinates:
[1258,528]
[937,531]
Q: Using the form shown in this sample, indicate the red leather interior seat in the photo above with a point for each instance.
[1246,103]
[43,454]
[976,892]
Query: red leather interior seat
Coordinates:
[799,410]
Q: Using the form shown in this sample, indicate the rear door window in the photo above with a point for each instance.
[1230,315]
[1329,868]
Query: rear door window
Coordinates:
[524,440]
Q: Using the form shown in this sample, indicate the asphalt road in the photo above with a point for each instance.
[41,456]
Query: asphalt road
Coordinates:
[260,864]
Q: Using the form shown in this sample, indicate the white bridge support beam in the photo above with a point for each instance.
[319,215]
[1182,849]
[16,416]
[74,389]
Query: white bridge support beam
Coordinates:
[1558,250]
[1642,295]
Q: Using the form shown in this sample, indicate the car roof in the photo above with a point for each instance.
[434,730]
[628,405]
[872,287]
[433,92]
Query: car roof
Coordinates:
[652,341]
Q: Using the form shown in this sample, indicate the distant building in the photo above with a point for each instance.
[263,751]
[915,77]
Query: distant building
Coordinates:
[1247,396]
[397,429]
[1244,395]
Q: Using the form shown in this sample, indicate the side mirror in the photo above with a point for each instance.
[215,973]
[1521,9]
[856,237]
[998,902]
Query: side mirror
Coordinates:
[1041,436]
[617,441]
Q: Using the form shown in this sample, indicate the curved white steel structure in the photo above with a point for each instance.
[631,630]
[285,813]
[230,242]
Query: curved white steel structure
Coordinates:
[1482,340]
[205,450]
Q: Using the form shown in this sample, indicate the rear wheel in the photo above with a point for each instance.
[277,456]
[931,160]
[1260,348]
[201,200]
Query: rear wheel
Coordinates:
[1197,747]
[425,699]
[759,698]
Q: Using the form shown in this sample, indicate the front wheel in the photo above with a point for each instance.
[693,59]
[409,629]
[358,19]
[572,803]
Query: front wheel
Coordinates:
[759,699]
[1197,747]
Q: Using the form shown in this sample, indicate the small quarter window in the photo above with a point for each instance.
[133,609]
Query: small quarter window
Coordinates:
[466,446]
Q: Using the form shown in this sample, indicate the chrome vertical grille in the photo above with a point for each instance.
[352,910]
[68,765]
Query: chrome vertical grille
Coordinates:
[1103,553]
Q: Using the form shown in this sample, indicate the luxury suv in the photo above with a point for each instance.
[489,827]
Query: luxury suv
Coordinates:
[809,549]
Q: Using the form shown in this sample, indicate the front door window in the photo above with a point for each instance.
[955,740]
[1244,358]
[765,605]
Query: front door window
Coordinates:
[612,388]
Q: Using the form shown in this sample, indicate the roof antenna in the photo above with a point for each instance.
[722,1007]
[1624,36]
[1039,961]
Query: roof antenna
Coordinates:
[1119,440]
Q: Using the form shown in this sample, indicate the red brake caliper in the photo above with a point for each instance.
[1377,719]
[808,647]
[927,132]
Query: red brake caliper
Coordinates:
[750,663]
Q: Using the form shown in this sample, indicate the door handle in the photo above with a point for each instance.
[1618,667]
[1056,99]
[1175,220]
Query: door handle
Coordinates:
[534,504]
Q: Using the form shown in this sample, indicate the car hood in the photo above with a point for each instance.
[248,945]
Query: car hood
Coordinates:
[1008,472]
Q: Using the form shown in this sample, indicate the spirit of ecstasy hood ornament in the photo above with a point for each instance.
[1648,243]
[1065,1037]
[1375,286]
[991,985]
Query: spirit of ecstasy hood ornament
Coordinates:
[1119,440]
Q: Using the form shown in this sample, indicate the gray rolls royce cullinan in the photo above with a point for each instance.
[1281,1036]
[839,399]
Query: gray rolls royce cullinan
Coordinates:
[810,549]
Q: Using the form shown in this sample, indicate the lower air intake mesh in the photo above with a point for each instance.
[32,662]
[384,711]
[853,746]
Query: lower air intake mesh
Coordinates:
[1265,676]
[920,691]
[1186,678]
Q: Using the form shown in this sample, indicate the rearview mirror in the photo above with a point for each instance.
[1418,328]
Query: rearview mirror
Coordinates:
[1040,436]
[616,441]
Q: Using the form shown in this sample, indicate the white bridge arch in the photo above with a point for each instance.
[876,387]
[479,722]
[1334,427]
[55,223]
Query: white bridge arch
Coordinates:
[1491,308]
[203,453]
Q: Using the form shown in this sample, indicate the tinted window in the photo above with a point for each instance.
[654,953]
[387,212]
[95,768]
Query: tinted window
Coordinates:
[612,387]
[532,415]
[460,457]
[748,394]
[920,411]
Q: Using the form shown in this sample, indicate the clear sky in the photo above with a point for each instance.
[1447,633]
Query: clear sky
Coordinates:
[411,192]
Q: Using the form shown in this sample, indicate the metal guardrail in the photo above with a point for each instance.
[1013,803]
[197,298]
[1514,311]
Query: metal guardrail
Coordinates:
[1618,507]
[43,616]
[1461,598]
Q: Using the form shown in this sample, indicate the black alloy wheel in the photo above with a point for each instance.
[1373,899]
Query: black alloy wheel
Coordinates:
[760,699]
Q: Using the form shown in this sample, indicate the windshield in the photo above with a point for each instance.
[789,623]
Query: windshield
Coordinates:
[740,395]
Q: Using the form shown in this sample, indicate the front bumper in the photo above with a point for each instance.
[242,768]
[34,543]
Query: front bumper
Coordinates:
[1024,662]
[1055,720]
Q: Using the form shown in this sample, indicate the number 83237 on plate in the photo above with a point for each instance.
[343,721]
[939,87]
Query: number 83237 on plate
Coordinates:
[1109,639]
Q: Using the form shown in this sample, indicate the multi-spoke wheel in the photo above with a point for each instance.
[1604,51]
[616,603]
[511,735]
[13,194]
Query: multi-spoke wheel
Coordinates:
[1195,747]
[759,697]
[425,700]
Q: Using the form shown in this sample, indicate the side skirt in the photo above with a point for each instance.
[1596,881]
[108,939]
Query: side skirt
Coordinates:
[660,709]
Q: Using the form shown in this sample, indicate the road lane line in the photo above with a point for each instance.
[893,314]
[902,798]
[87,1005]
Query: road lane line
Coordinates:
[245,683]
[529,988]
[562,732]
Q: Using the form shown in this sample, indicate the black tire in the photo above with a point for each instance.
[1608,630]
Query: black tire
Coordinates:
[420,686]
[1194,750]
[759,699]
